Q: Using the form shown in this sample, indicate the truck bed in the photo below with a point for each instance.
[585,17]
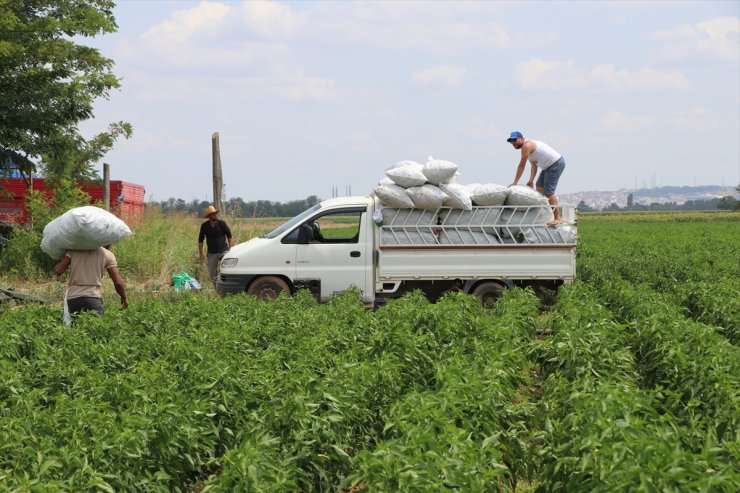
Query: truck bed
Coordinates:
[494,242]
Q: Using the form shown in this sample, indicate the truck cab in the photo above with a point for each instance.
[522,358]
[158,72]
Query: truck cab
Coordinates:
[307,252]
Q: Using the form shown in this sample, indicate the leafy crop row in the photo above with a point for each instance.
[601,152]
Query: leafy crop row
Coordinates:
[600,431]
[243,395]
[662,255]
[698,368]
[467,432]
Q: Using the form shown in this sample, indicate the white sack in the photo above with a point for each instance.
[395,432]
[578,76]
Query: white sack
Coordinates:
[485,219]
[82,228]
[464,237]
[489,194]
[426,197]
[403,163]
[406,174]
[561,234]
[393,196]
[519,195]
[408,217]
[407,237]
[567,233]
[439,171]
[519,219]
[458,196]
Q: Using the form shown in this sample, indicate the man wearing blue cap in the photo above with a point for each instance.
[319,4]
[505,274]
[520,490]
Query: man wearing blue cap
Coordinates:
[550,161]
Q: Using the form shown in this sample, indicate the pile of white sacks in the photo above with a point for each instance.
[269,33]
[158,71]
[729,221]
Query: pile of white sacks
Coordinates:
[408,184]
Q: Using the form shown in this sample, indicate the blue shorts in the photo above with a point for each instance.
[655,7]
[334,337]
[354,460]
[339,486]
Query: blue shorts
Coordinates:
[549,177]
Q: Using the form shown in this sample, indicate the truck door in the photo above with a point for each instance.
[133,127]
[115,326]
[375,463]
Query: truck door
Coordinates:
[337,253]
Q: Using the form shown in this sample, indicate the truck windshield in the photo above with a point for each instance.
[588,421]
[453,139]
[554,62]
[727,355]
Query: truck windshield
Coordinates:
[291,223]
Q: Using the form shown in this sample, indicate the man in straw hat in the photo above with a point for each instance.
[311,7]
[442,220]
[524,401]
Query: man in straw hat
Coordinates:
[218,237]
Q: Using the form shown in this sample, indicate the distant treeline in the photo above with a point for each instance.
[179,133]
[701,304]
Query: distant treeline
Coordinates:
[724,204]
[237,207]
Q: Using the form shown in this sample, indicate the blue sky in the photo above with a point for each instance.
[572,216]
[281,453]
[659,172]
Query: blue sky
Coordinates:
[308,96]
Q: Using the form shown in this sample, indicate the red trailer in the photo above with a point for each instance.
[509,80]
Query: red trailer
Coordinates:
[126,199]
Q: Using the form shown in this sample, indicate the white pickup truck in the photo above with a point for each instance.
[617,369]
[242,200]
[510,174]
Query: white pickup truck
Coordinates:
[480,251]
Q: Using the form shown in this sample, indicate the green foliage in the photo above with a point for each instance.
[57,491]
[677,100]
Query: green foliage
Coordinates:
[603,425]
[73,157]
[636,388]
[49,82]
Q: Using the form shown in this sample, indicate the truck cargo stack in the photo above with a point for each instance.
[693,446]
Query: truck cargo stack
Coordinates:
[420,229]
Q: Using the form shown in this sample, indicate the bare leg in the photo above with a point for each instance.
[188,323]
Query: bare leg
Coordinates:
[553,199]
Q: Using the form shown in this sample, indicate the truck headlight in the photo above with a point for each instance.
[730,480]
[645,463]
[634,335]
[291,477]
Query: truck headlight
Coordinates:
[229,262]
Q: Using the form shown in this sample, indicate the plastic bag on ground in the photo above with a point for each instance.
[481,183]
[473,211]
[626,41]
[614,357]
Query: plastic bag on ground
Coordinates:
[183,280]
[82,228]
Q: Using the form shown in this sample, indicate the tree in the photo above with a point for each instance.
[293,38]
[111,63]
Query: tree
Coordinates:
[48,83]
[73,157]
[727,203]
[630,201]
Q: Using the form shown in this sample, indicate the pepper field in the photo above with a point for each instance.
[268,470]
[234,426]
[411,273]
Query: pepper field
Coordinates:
[636,387]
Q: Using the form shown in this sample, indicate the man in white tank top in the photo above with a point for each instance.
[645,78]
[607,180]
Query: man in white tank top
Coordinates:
[547,159]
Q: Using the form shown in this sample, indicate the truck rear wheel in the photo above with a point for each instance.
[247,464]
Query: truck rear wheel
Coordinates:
[268,288]
[489,293]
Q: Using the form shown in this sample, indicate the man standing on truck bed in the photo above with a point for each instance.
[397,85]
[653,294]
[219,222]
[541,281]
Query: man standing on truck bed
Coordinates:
[216,233]
[551,162]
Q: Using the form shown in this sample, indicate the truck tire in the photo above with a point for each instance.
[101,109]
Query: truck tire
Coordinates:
[268,288]
[489,293]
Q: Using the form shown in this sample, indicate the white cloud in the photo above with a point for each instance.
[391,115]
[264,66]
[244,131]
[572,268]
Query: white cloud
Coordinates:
[556,75]
[618,122]
[715,38]
[480,129]
[272,19]
[184,24]
[292,84]
[694,119]
[645,79]
[443,75]
[429,26]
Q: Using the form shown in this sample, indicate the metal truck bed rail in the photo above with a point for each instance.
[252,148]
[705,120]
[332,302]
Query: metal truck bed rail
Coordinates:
[490,226]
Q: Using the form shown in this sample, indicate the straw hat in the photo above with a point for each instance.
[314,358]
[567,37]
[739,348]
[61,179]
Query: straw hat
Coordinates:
[210,210]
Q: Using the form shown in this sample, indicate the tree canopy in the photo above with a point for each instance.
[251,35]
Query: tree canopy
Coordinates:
[49,82]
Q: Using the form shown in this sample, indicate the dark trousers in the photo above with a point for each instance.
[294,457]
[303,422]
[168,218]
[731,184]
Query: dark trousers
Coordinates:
[85,303]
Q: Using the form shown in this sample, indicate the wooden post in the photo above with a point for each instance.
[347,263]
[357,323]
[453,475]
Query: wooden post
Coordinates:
[106,186]
[218,181]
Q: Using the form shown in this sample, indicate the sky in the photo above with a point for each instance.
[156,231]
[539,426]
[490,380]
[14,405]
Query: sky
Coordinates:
[314,98]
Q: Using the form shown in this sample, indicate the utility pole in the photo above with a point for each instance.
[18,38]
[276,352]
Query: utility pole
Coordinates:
[106,186]
[218,180]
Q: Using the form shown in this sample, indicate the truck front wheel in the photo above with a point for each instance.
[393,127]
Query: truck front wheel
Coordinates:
[268,288]
[488,293]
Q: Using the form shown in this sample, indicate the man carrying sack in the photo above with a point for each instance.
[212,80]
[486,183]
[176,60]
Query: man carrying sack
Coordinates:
[218,239]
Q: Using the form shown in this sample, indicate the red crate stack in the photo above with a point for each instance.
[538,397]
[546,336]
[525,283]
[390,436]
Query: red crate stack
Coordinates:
[126,199]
